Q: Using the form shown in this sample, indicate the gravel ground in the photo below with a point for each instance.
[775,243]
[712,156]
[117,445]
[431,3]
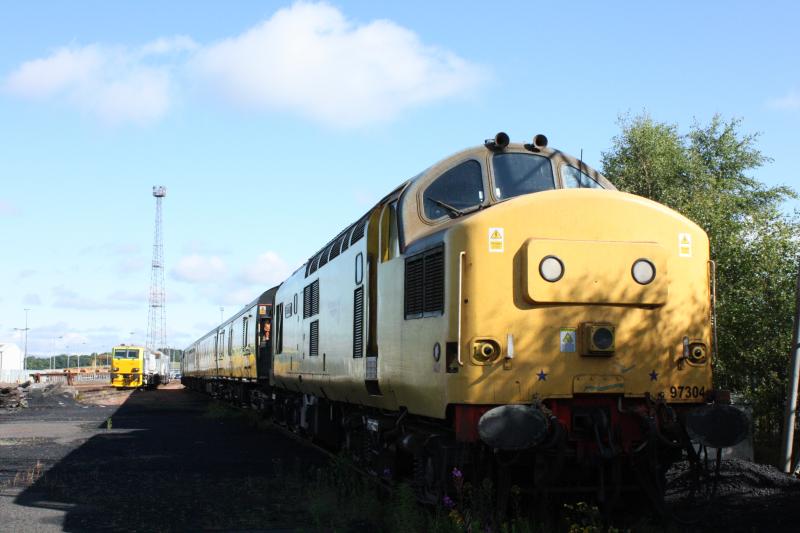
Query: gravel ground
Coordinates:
[172,460]
[754,497]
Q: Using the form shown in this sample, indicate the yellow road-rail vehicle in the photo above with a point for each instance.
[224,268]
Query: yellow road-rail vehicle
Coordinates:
[136,367]
[506,312]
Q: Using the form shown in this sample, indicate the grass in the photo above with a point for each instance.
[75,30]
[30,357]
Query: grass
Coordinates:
[27,477]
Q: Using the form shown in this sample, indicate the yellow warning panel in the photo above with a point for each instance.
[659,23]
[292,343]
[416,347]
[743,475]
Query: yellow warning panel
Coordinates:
[567,339]
[685,245]
[496,240]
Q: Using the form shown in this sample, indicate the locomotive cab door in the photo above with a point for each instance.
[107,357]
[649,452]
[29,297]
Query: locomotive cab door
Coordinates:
[264,338]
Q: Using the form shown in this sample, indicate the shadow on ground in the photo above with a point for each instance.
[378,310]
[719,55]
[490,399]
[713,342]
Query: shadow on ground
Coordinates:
[173,459]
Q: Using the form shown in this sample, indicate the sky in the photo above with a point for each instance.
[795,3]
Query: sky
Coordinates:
[273,125]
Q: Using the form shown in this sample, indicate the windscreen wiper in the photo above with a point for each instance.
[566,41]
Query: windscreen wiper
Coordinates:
[454,211]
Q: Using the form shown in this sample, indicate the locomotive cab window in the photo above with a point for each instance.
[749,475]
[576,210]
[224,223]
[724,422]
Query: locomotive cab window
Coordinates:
[517,174]
[575,179]
[458,190]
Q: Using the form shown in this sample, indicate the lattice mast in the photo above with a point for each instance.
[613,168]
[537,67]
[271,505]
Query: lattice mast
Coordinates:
[157,315]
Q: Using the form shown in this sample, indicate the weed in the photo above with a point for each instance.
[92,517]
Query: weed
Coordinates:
[27,477]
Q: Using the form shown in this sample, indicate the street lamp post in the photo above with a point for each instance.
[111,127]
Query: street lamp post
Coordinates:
[25,330]
[25,359]
[53,353]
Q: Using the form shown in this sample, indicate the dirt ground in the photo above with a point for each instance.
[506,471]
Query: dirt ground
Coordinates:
[160,460]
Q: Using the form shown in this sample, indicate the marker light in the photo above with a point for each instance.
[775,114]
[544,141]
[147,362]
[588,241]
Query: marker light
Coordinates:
[551,268]
[643,271]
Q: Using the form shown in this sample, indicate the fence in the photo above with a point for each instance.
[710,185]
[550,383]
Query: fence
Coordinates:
[70,378]
[45,376]
[14,376]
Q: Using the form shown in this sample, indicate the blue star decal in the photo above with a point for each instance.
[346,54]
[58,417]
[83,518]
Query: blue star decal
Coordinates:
[542,375]
[653,375]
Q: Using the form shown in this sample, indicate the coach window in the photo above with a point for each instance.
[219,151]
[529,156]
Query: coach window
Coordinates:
[458,190]
[575,179]
[517,174]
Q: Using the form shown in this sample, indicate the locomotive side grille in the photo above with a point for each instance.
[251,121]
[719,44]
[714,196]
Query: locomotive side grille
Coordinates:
[307,301]
[323,260]
[358,322]
[415,290]
[358,231]
[337,245]
[346,239]
[434,282]
[315,298]
[313,339]
[311,299]
[424,284]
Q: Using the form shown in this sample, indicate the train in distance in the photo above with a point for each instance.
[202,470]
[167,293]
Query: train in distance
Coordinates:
[137,367]
[506,312]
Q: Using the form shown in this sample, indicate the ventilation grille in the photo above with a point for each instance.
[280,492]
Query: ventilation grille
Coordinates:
[415,287]
[434,282]
[337,247]
[346,240]
[358,322]
[313,265]
[313,339]
[424,284]
[323,260]
[311,299]
[358,231]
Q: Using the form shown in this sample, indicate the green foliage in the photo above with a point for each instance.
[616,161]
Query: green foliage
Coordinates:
[705,175]
[34,362]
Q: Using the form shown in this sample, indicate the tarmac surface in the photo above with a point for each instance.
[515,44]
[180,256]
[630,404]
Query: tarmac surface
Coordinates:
[159,460]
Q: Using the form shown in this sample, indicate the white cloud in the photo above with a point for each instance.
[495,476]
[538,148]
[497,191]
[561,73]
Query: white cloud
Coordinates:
[69,299]
[268,269]
[310,60]
[198,268]
[307,59]
[789,102]
[116,84]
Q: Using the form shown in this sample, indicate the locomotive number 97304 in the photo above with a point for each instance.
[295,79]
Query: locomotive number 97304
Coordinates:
[678,392]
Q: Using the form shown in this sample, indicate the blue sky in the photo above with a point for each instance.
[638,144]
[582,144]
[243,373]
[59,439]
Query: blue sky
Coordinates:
[275,124]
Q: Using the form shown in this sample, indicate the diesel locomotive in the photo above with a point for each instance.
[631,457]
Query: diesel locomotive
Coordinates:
[136,366]
[506,312]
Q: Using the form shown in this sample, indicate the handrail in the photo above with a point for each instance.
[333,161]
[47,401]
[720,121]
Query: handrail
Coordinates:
[461,256]
[713,275]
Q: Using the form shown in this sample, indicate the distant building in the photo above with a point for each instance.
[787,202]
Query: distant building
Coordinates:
[10,356]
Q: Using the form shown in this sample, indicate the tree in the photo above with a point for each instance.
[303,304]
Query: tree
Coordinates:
[705,175]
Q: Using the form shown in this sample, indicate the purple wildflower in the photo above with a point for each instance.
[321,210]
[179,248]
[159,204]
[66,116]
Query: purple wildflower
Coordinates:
[387,472]
[448,502]
[457,473]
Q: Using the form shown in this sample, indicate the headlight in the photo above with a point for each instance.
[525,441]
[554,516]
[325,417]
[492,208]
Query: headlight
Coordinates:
[643,271]
[602,339]
[551,268]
